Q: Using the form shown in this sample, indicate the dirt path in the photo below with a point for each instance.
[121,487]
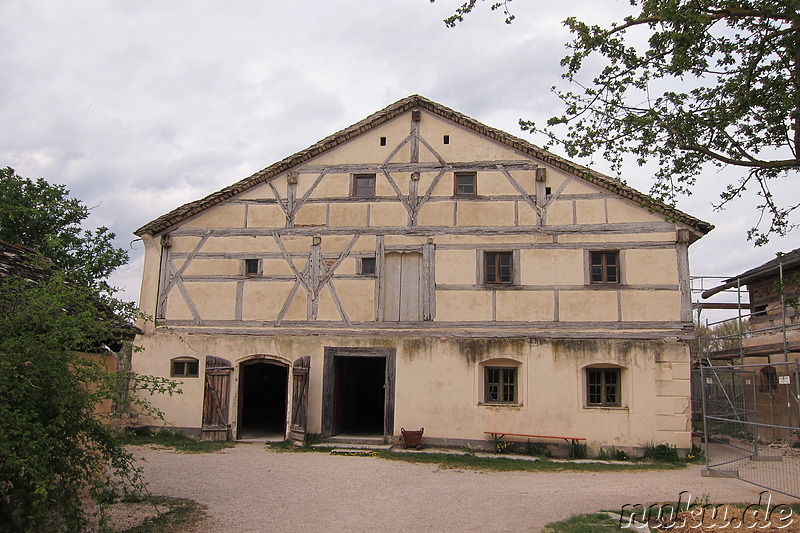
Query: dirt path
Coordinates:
[248,488]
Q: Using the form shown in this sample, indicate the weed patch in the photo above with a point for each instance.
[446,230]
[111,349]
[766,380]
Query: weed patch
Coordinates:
[171,438]
[612,454]
[584,523]
[181,513]
[661,453]
[472,462]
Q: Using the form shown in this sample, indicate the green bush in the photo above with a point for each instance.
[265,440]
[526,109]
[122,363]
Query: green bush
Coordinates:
[661,453]
[55,450]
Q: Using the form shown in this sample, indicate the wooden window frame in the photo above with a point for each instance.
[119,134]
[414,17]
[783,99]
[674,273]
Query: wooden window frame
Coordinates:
[246,267]
[598,391]
[368,260]
[604,255]
[497,266]
[506,377]
[473,175]
[354,189]
[189,367]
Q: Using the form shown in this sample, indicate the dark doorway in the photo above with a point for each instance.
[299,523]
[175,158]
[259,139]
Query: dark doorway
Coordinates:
[358,391]
[359,395]
[262,393]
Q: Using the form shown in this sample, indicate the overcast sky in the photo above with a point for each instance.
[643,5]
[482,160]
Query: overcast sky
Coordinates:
[141,106]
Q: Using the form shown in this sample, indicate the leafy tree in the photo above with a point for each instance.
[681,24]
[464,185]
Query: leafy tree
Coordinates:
[688,84]
[44,217]
[725,335]
[55,447]
[56,309]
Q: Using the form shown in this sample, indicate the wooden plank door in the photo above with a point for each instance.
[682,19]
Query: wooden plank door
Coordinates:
[215,399]
[402,297]
[300,376]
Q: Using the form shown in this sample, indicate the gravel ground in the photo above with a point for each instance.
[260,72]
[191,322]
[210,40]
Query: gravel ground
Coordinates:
[249,488]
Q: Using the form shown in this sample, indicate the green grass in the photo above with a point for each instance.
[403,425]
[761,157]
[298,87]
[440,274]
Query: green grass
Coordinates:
[469,461]
[584,523]
[602,523]
[182,513]
[170,438]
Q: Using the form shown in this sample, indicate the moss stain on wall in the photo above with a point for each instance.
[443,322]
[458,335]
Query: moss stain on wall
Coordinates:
[622,352]
[417,346]
[475,350]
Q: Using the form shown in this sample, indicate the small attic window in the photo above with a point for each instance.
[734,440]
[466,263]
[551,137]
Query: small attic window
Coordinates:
[251,267]
[548,191]
[446,139]
[383,141]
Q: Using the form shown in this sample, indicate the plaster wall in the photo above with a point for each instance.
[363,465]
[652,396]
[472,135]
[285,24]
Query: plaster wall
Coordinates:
[439,384]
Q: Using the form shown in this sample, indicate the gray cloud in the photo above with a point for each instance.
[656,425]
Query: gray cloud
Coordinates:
[139,107]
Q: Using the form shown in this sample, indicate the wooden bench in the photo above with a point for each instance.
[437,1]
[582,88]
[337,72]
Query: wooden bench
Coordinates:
[499,435]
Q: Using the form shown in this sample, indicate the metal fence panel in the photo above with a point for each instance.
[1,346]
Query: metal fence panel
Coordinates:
[750,423]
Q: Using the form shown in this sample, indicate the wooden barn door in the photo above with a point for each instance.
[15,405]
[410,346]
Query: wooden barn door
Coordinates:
[297,428]
[215,399]
[402,301]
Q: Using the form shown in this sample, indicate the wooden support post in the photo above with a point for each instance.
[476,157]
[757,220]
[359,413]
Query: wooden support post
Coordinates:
[428,280]
[541,186]
[682,249]
[413,200]
[315,273]
[380,258]
[291,193]
[416,116]
[164,281]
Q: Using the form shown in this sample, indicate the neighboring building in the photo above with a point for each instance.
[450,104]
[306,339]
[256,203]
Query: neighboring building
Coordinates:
[20,261]
[420,269]
[773,293]
[769,346]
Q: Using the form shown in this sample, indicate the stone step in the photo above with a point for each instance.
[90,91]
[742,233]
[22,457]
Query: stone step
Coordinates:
[354,439]
[353,446]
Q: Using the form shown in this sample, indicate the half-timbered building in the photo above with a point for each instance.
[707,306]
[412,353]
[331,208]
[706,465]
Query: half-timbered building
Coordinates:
[421,269]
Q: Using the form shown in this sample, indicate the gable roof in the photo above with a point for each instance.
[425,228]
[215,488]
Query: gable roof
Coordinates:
[17,260]
[788,260]
[398,108]
[32,266]
[770,269]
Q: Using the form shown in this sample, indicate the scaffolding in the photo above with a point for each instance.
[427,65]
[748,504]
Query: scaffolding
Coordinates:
[746,374]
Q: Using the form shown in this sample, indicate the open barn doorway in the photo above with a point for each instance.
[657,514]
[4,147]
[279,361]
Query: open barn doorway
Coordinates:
[358,390]
[359,395]
[263,387]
